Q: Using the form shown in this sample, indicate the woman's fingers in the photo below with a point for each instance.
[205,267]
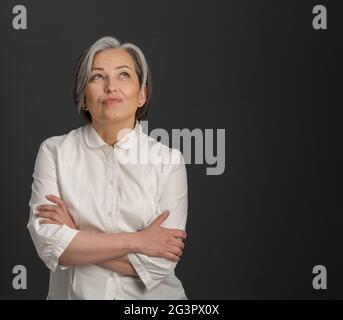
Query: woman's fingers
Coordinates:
[47,221]
[56,200]
[48,215]
[59,204]
[163,216]
[177,233]
[175,250]
[177,242]
[171,256]
[47,207]
[50,208]
[56,213]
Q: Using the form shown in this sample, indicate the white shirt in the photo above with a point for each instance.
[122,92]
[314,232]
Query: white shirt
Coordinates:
[105,193]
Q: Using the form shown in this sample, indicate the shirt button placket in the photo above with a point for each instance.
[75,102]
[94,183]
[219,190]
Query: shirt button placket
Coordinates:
[114,180]
[109,153]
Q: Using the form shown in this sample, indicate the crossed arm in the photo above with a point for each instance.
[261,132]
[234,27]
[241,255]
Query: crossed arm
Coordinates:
[59,243]
[110,251]
[121,265]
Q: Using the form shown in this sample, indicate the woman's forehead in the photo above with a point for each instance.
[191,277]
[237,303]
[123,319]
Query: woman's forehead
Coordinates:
[112,58]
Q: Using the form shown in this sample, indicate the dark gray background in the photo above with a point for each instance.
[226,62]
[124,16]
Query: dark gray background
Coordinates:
[256,68]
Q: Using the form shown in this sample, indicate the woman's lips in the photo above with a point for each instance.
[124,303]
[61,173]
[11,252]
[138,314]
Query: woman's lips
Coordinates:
[112,100]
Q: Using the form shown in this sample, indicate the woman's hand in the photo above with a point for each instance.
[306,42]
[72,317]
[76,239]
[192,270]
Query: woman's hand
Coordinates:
[157,241]
[55,214]
[153,241]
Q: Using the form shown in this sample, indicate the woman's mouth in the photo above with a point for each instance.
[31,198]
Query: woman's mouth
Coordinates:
[112,100]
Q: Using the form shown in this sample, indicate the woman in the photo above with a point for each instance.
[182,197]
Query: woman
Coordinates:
[99,190]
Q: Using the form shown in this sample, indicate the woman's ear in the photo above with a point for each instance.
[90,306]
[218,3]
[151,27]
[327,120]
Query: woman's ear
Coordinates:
[142,96]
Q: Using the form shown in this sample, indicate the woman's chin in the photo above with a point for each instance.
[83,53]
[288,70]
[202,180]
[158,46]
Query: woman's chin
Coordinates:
[112,114]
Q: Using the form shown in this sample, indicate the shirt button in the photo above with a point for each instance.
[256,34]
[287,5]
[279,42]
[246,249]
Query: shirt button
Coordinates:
[109,213]
[111,182]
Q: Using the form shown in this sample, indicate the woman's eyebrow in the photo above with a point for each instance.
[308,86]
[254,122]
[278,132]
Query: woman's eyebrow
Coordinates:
[119,67]
[97,68]
[123,66]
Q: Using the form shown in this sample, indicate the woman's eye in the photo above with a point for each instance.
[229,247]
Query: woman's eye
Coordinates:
[124,75]
[97,76]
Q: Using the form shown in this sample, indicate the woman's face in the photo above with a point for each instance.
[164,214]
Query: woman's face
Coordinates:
[113,92]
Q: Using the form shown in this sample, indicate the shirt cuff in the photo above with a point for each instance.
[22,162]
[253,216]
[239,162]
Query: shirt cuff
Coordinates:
[61,241]
[141,271]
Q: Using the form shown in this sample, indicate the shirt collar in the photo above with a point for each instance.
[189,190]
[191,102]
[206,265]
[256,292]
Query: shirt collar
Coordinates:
[93,140]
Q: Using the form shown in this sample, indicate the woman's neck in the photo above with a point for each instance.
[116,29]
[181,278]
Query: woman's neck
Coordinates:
[111,132]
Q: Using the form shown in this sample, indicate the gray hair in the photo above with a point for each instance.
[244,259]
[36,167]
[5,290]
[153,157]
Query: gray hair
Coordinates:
[83,66]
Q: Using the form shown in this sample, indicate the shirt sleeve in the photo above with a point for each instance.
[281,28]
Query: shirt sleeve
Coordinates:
[50,240]
[174,197]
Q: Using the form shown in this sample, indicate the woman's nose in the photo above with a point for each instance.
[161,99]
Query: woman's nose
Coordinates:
[111,86]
